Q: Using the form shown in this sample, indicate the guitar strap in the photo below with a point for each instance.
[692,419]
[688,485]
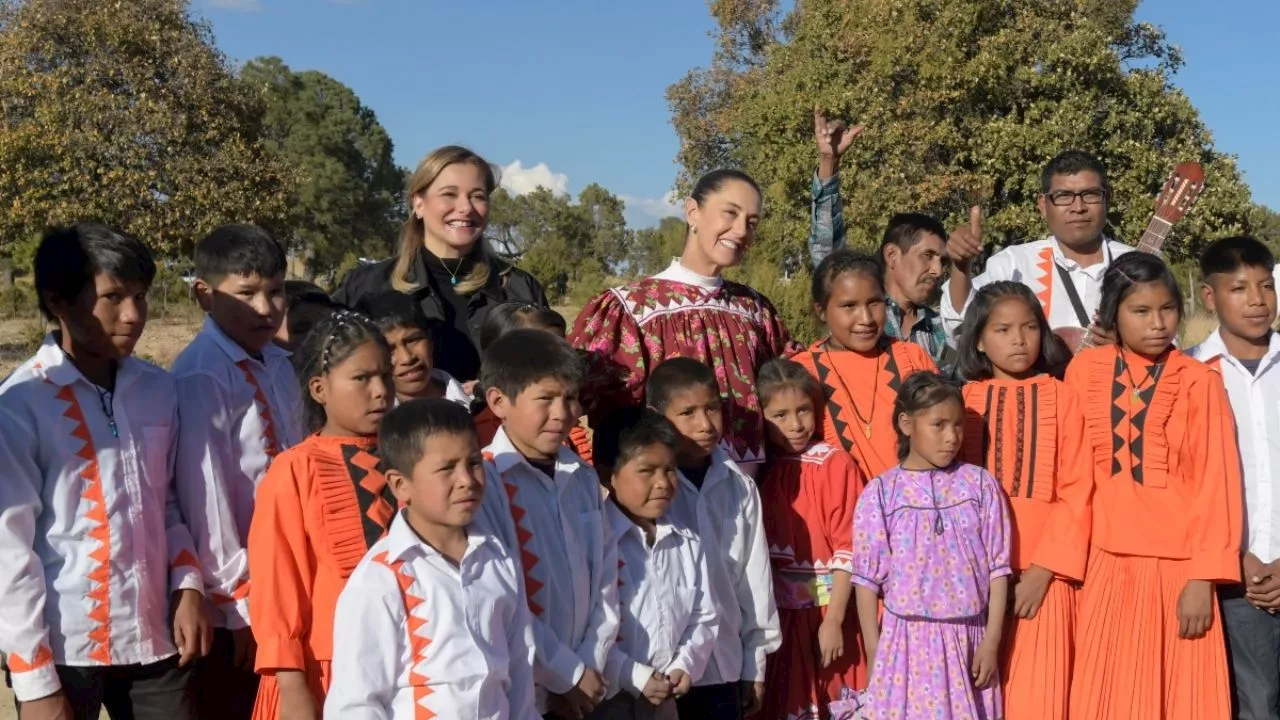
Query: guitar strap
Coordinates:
[1073,296]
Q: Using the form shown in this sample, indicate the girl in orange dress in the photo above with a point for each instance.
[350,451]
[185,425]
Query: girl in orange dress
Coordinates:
[808,493]
[322,504]
[859,369]
[1167,523]
[1027,430]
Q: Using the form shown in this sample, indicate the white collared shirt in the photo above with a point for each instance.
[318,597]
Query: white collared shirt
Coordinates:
[92,543]
[453,390]
[1032,264]
[238,413]
[1255,401]
[668,619]
[413,634]
[570,566]
[726,516]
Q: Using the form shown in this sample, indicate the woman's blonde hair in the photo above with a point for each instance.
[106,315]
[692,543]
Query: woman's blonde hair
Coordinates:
[413,231]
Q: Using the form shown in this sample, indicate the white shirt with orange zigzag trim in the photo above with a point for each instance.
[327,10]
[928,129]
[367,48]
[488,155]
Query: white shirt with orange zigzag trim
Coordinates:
[92,544]
[417,638]
[238,413]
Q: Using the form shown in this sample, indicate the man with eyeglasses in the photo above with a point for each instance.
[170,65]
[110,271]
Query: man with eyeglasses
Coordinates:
[1064,270]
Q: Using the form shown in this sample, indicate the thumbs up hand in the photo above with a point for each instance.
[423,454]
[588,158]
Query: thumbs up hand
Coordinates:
[966,241]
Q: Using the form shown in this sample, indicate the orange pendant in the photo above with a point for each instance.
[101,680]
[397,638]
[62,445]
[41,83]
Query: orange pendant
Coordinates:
[866,430]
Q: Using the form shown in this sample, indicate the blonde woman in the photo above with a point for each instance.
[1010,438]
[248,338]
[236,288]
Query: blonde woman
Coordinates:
[444,262]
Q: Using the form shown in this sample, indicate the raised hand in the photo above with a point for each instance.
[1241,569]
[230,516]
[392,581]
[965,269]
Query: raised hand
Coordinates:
[833,138]
[966,241]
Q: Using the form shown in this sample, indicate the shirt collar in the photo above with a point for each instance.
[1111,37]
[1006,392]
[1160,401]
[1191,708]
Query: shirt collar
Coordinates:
[1214,347]
[717,470]
[402,541]
[233,350]
[1069,264]
[924,313]
[59,370]
[621,526]
[505,456]
[677,272]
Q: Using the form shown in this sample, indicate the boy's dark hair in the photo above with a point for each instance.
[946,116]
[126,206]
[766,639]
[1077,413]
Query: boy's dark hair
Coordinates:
[781,374]
[677,375]
[1122,278]
[626,432]
[403,431]
[523,357]
[906,229]
[973,363]
[70,257]
[838,263]
[391,310]
[513,315]
[301,292]
[330,342]
[920,392]
[1232,253]
[238,250]
[1071,162]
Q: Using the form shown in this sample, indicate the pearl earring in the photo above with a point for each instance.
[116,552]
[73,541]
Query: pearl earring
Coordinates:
[695,229]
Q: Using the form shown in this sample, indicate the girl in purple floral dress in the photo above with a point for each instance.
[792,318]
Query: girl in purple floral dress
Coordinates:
[932,537]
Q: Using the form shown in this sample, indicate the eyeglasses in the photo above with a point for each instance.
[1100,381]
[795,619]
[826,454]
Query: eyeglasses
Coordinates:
[1067,198]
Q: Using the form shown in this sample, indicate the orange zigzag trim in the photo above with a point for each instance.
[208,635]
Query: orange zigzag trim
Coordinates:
[418,643]
[527,558]
[1045,266]
[264,410]
[99,531]
[43,657]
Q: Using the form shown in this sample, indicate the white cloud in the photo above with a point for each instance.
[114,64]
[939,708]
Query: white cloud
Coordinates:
[521,180]
[240,5]
[647,212]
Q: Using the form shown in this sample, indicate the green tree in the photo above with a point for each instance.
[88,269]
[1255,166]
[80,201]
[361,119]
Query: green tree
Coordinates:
[125,112]
[650,249]
[349,198]
[963,102]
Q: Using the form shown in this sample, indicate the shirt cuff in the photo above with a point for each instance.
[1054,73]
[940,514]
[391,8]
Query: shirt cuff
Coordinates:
[865,582]
[1222,566]
[753,660]
[562,671]
[35,684]
[235,615]
[185,577]
[279,653]
[823,189]
[635,677]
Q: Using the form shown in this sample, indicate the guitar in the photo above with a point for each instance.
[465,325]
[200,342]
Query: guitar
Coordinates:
[1179,194]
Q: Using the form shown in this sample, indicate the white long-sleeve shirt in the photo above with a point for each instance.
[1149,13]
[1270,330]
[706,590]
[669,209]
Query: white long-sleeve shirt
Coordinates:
[561,532]
[668,619]
[726,516]
[1255,401]
[238,413]
[414,635]
[1032,264]
[92,544]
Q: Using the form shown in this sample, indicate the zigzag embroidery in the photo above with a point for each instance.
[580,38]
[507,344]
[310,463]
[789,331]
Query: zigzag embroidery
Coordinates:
[642,305]
[1045,266]
[418,643]
[528,560]
[817,453]
[264,410]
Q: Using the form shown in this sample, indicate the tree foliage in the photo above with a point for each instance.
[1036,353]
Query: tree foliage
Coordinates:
[349,196]
[963,102]
[124,111]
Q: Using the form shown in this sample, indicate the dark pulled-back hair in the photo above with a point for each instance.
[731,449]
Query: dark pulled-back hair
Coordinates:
[628,431]
[973,363]
[716,179]
[782,374]
[392,310]
[302,292]
[238,249]
[907,229]
[677,375]
[513,315]
[524,357]
[330,342]
[405,429]
[1229,254]
[1071,162]
[70,257]
[1122,278]
[920,392]
[838,263]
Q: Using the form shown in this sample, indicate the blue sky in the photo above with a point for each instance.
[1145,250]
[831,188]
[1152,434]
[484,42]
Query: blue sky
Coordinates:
[573,90]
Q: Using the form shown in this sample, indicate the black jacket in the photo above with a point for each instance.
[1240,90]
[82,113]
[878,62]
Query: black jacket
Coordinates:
[455,354]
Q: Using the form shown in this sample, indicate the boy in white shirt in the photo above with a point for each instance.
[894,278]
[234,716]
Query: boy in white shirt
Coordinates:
[95,556]
[721,503]
[668,621]
[433,622]
[240,404]
[554,511]
[1238,285]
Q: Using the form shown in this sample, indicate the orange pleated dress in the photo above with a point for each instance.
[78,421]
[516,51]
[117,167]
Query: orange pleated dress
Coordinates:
[1167,508]
[1030,435]
[322,504]
[860,390]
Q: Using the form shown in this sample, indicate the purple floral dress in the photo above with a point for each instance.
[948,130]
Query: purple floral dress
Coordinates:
[930,542]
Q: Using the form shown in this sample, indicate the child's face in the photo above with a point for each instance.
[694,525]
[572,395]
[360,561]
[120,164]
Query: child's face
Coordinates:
[698,415]
[935,433]
[447,483]
[855,312]
[1147,320]
[1244,301]
[538,419]
[789,420]
[411,361]
[356,392]
[248,308]
[646,484]
[298,322]
[107,318]
[1011,339]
